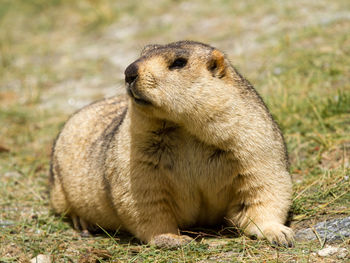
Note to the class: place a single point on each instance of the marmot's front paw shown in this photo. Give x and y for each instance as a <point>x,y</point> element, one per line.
<point>170,240</point>
<point>81,225</point>
<point>275,233</point>
<point>279,234</point>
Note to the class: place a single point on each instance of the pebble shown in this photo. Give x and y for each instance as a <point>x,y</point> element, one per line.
<point>41,259</point>
<point>329,251</point>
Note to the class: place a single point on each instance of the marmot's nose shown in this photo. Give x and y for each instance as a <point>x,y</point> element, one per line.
<point>131,73</point>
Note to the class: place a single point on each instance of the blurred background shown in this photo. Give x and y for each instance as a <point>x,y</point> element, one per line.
<point>59,55</point>
<point>62,53</point>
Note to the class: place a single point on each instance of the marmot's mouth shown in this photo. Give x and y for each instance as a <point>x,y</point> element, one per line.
<point>138,98</point>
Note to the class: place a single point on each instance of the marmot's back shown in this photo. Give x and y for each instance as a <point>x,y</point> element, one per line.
<point>85,137</point>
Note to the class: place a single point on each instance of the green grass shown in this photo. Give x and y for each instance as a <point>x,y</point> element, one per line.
<point>54,50</point>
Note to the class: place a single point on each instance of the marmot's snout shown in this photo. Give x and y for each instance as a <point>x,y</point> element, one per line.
<point>131,73</point>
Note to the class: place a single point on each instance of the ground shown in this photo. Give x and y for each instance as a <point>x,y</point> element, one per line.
<point>58,55</point>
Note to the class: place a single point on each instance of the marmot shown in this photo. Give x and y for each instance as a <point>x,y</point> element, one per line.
<point>192,144</point>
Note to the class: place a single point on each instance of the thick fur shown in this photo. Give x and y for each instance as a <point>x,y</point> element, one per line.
<point>192,145</point>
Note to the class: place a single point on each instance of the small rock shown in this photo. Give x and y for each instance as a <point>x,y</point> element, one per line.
<point>329,251</point>
<point>330,230</point>
<point>41,259</point>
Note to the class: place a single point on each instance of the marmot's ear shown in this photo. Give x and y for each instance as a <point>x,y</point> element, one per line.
<point>148,48</point>
<point>217,64</point>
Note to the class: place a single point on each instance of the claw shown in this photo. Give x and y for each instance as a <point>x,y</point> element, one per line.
<point>80,224</point>
<point>85,233</point>
<point>76,223</point>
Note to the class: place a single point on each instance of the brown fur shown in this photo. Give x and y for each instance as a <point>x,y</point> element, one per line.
<point>193,144</point>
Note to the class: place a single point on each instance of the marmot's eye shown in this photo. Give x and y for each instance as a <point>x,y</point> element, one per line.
<point>213,66</point>
<point>178,63</point>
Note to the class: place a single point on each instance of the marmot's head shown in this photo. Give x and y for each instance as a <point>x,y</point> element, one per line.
<point>179,80</point>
